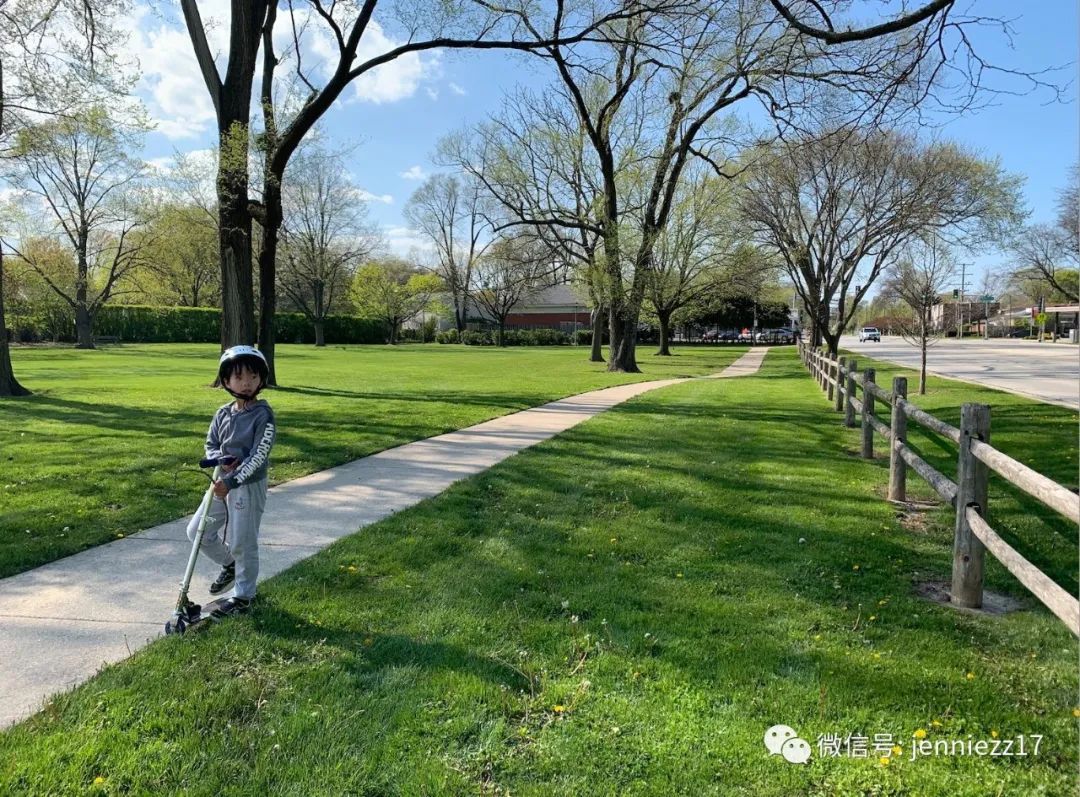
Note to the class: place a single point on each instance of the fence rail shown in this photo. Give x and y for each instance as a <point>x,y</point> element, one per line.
<point>841,380</point>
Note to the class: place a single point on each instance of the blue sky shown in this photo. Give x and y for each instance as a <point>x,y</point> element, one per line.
<point>398,115</point>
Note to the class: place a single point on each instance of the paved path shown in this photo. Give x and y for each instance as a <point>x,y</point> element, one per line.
<point>1045,371</point>
<point>61,622</point>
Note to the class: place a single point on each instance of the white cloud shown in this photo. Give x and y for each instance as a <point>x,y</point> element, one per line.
<point>171,83</point>
<point>432,93</point>
<point>404,242</point>
<point>397,79</point>
<point>367,196</point>
<point>413,173</point>
<point>454,87</point>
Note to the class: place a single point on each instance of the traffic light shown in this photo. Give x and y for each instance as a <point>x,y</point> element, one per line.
<point>956,293</point>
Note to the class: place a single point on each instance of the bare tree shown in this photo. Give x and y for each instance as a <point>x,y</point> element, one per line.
<point>78,171</point>
<point>839,209</point>
<point>534,159</point>
<point>1050,254</point>
<point>449,211</point>
<point>918,278</point>
<point>326,233</point>
<point>512,269</point>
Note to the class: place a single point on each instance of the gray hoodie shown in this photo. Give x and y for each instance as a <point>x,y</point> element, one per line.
<point>246,434</point>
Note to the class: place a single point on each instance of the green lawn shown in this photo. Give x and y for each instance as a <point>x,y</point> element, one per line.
<point>624,609</point>
<point>100,449</point>
<point>1042,436</point>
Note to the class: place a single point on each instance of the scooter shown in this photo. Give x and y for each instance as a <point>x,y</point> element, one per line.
<point>188,614</point>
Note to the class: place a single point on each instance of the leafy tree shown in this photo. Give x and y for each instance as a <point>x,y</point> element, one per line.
<point>839,208</point>
<point>394,291</point>
<point>78,170</point>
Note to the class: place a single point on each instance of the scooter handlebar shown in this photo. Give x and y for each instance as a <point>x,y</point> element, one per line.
<point>215,461</point>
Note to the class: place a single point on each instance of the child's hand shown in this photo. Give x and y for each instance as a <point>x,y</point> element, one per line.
<point>221,489</point>
<point>231,466</point>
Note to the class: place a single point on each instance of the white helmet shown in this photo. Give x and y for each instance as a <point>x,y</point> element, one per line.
<point>248,356</point>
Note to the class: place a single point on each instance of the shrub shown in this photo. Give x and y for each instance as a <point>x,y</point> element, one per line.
<point>449,336</point>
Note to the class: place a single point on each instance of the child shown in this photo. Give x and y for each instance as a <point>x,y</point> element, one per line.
<point>243,429</point>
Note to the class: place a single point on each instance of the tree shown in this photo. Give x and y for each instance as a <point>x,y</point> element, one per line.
<point>78,170</point>
<point>918,278</point>
<point>839,208</point>
<point>694,252</point>
<point>179,261</point>
<point>341,29</point>
<point>394,291</point>
<point>44,72</point>
<point>449,211</point>
<point>510,271</point>
<point>1050,254</point>
<point>325,233</point>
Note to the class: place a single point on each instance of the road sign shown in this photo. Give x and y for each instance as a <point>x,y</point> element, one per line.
<point>986,298</point>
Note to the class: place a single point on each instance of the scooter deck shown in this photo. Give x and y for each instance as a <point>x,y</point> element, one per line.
<point>203,619</point>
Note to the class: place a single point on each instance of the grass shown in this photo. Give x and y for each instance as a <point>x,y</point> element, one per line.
<point>104,446</point>
<point>1042,436</point>
<point>624,609</point>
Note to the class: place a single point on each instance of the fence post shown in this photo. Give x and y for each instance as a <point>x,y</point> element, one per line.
<point>821,367</point>
<point>971,481</point>
<point>840,365</point>
<point>867,413</point>
<point>897,466</point>
<point>849,407</point>
<point>830,368</point>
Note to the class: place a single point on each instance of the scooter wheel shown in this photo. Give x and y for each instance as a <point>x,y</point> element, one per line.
<point>177,627</point>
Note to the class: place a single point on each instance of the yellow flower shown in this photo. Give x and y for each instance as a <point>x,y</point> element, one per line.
<point>919,734</point>
<point>873,617</point>
<point>884,760</point>
<point>352,568</point>
<point>817,637</point>
<point>935,723</point>
<point>99,781</point>
<point>971,676</point>
<point>855,567</point>
<point>993,733</point>
<point>897,750</point>
<point>558,709</point>
<point>1076,712</point>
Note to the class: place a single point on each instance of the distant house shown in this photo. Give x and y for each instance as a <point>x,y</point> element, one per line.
<point>555,307</point>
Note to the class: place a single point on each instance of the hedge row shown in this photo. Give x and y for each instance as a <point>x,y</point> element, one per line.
<point>511,337</point>
<point>143,324</point>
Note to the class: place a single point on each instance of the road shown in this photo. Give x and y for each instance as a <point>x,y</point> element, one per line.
<point>1046,371</point>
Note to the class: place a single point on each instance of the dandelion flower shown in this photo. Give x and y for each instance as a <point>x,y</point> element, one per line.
<point>558,709</point>
<point>99,781</point>
<point>897,750</point>
<point>884,760</point>
<point>920,733</point>
<point>1076,712</point>
<point>971,676</point>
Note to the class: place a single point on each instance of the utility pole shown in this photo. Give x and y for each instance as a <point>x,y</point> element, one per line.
<point>959,299</point>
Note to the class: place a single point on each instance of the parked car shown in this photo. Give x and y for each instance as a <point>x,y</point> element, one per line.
<point>869,333</point>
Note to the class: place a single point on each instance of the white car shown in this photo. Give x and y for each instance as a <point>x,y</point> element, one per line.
<point>869,333</point>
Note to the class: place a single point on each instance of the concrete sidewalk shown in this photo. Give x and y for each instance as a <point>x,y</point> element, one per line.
<point>62,622</point>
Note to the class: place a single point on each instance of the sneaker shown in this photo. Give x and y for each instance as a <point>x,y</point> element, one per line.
<point>230,607</point>
<point>224,580</point>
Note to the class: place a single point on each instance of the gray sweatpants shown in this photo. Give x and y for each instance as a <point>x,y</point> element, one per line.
<point>245,506</point>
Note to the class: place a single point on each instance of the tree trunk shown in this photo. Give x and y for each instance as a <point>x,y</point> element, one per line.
<point>320,335</point>
<point>84,325</point>
<point>922,366</point>
<point>599,321</point>
<point>234,220</point>
<point>833,342</point>
<point>665,334</point>
<point>623,333</point>
<point>268,271</point>
<point>502,328</point>
<point>9,385</point>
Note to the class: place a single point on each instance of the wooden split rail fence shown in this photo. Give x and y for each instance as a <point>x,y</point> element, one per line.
<point>842,382</point>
